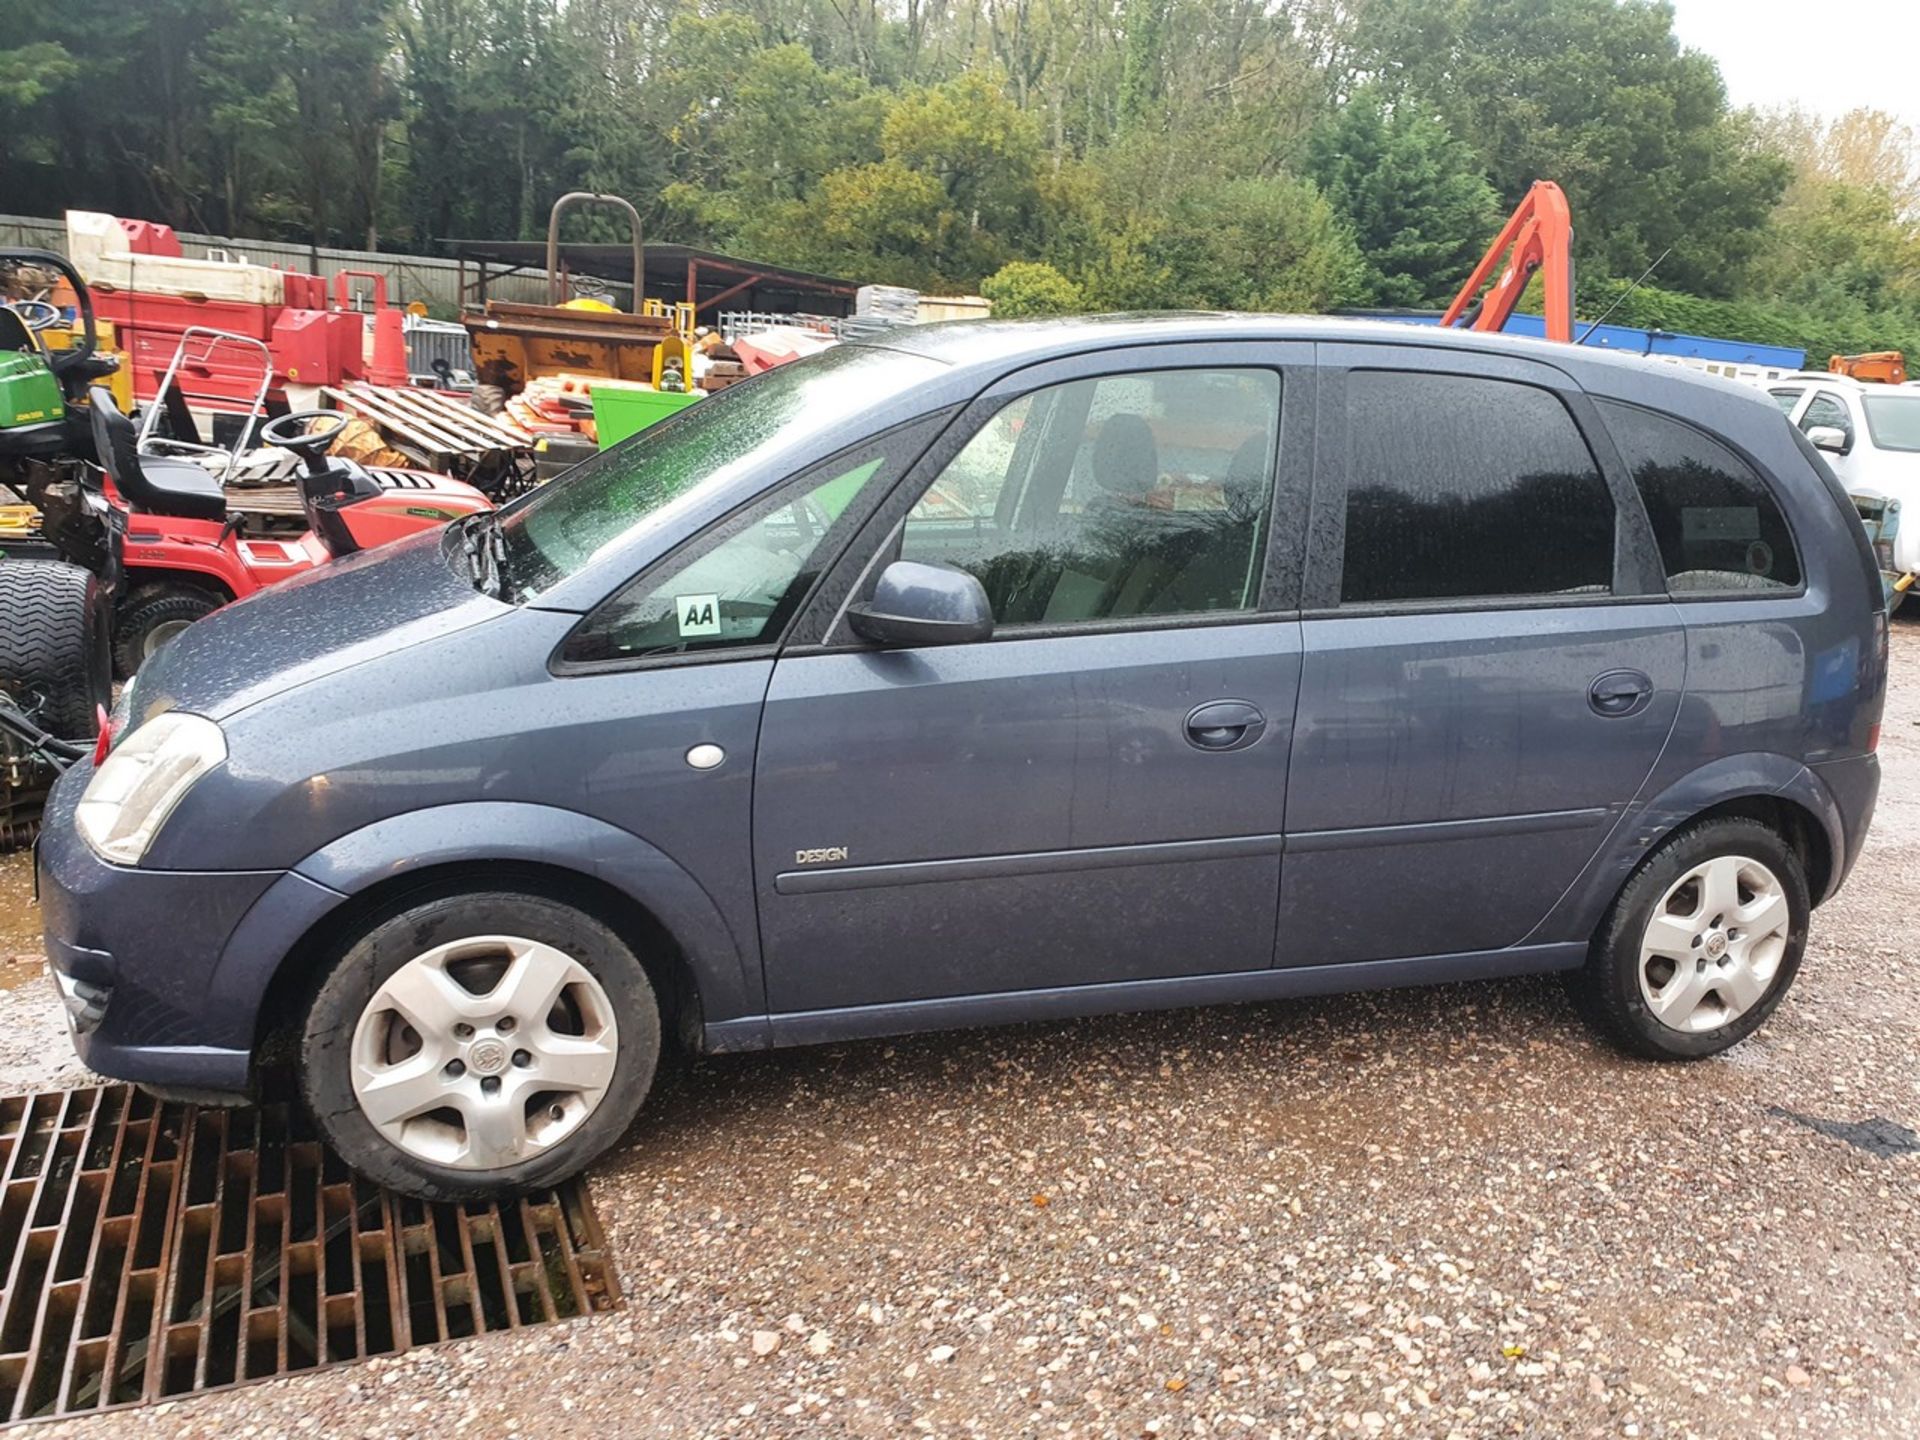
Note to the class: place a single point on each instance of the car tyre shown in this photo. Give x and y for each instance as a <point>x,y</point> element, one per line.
<point>1662,979</point>
<point>345,1048</point>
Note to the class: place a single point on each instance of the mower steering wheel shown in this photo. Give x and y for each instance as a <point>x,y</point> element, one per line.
<point>286,432</point>
<point>37,315</point>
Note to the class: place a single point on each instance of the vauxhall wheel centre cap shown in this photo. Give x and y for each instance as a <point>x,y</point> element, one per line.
<point>487,1057</point>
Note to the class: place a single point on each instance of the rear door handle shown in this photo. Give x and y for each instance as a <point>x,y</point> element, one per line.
<point>1619,692</point>
<point>1225,725</point>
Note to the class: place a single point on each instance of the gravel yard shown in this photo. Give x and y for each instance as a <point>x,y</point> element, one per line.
<point>1422,1213</point>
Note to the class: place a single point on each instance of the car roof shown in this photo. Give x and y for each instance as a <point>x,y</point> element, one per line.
<point>1006,344</point>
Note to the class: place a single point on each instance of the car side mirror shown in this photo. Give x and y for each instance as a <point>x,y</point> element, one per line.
<point>1830,438</point>
<point>915,604</point>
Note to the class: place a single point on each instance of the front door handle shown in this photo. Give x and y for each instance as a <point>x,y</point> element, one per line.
<point>1225,725</point>
<point>1619,692</point>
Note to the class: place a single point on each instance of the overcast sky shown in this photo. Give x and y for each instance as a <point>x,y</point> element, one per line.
<point>1830,56</point>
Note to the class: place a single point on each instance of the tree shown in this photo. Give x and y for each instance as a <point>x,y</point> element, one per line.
<point>1023,288</point>
<point>28,74</point>
<point>1413,196</point>
<point>1598,95</point>
<point>1866,149</point>
<point>1152,224</point>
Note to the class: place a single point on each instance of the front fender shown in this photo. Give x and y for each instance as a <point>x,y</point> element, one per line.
<point>490,832</point>
<point>1649,821</point>
<point>149,560</point>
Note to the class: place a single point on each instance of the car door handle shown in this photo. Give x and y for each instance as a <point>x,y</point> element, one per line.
<point>1619,692</point>
<point>1225,725</point>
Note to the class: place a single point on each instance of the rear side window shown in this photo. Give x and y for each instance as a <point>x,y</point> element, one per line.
<point>1462,488</point>
<point>1717,525</point>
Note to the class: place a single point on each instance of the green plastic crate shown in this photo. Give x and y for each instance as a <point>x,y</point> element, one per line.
<point>619,412</point>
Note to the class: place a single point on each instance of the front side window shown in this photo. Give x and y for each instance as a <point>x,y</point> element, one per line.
<point>743,586</point>
<point>1464,488</point>
<point>1113,498</point>
<point>1717,525</point>
<point>1828,411</point>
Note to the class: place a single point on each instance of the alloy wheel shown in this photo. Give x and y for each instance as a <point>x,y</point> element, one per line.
<point>1714,943</point>
<point>484,1052</point>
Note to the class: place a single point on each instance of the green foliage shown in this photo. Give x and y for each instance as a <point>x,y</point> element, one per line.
<point>1413,195</point>
<point>1821,333</point>
<point>1598,95</point>
<point>1024,288</point>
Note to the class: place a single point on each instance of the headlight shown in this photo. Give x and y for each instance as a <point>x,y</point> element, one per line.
<point>137,787</point>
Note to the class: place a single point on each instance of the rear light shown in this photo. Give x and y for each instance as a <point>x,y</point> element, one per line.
<point>1873,737</point>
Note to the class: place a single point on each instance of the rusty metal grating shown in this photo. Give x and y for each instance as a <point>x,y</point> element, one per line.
<point>156,1249</point>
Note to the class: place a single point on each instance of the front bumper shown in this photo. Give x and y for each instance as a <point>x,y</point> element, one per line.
<point>138,958</point>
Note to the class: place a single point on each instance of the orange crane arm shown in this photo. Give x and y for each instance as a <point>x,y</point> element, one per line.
<point>1539,235</point>
<point>1888,367</point>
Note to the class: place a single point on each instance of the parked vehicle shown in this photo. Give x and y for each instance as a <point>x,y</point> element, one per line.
<point>990,673</point>
<point>1870,435</point>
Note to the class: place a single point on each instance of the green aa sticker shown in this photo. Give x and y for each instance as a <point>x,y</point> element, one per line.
<point>697,614</point>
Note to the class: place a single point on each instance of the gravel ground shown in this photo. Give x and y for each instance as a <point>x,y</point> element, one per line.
<point>1448,1212</point>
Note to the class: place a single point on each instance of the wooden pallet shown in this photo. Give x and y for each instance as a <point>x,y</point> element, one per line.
<point>439,423</point>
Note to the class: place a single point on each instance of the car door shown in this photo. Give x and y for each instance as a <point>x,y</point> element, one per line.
<point>1094,794</point>
<point>1490,663</point>
<point>666,678</point>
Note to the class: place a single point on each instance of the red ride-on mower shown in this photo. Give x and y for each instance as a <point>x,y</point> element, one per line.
<point>183,555</point>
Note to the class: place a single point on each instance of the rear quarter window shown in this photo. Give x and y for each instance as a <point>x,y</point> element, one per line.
<point>1718,526</point>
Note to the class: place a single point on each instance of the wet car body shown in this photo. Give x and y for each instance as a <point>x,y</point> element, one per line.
<point>1019,829</point>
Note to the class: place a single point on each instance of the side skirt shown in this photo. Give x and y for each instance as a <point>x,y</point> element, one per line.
<point>959,1012</point>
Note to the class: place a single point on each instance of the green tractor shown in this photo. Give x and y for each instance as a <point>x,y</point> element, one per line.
<point>43,390</point>
<point>55,665</point>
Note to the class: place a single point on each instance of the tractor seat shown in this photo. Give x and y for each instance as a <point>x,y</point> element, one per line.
<point>154,483</point>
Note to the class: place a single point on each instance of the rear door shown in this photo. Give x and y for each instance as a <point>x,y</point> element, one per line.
<point>1096,793</point>
<point>1490,662</point>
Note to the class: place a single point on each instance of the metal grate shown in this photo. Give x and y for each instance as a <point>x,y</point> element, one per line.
<point>155,1249</point>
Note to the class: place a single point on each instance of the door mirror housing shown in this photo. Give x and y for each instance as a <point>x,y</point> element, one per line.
<point>916,604</point>
<point>1830,438</point>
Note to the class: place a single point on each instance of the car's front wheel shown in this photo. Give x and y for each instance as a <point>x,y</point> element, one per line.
<point>1701,944</point>
<point>476,1046</point>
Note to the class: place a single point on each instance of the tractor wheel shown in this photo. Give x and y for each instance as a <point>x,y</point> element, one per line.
<point>151,616</point>
<point>55,659</point>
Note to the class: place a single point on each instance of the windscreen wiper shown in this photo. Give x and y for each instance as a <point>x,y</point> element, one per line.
<point>486,552</point>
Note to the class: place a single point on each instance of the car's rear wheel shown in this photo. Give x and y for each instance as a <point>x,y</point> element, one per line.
<point>1701,944</point>
<point>476,1046</point>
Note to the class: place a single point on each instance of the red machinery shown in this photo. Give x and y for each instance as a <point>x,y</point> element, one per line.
<point>153,295</point>
<point>1539,236</point>
<point>182,554</point>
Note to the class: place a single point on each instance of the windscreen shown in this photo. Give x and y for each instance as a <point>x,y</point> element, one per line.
<point>1894,420</point>
<point>560,528</point>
